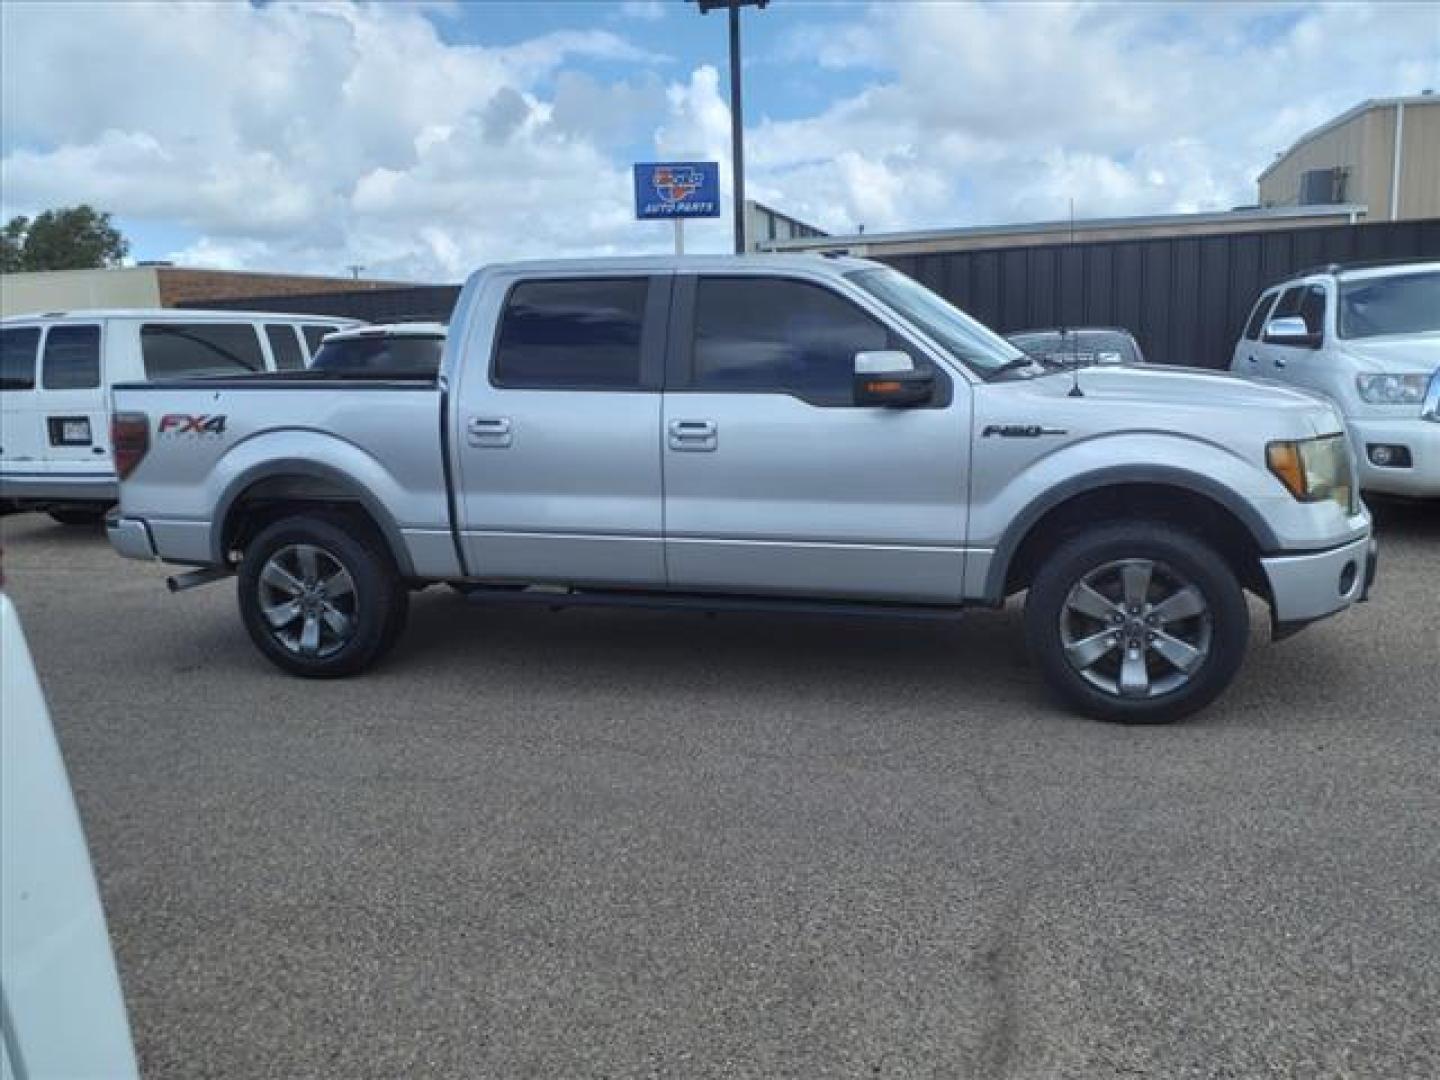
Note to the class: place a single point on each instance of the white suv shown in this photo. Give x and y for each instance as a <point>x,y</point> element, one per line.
<point>1369,338</point>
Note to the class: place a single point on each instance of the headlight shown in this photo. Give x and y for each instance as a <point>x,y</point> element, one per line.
<point>1314,470</point>
<point>1391,389</point>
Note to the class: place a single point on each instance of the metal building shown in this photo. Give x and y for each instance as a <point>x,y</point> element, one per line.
<point>1383,154</point>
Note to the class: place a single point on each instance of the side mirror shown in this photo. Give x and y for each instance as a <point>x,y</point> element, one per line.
<point>889,377</point>
<point>1290,330</point>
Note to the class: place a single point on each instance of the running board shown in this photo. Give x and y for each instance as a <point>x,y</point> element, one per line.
<point>710,604</point>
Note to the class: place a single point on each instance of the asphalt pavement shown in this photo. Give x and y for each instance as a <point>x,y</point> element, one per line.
<point>632,844</point>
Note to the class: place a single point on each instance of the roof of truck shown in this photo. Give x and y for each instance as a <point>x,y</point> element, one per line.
<point>686,263</point>
<point>398,329</point>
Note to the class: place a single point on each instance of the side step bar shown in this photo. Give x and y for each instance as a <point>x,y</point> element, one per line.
<point>709,603</point>
<point>204,576</point>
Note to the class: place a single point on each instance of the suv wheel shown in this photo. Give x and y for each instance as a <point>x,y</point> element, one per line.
<point>1137,622</point>
<point>320,597</point>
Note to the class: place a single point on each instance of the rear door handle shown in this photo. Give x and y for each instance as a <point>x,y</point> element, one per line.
<point>693,435</point>
<point>1279,361</point>
<point>488,431</point>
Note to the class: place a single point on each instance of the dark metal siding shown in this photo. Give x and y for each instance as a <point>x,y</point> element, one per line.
<point>419,303</point>
<point>1185,298</point>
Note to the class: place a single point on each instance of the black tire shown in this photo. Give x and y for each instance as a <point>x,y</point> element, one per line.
<point>1218,636</point>
<point>78,516</point>
<point>373,605</point>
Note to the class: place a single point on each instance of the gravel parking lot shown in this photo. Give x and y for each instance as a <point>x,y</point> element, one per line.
<point>616,844</point>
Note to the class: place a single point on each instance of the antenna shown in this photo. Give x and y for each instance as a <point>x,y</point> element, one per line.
<point>1075,390</point>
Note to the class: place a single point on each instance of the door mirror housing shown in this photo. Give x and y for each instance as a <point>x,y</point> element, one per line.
<point>890,377</point>
<point>1290,330</point>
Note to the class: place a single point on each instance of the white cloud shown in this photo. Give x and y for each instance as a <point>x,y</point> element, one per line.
<point>313,135</point>
<point>649,10</point>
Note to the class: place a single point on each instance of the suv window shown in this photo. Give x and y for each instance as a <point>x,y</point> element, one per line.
<point>572,334</point>
<point>1306,301</point>
<point>316,334</point>
<point>17,357</point>
<point>178,350</point>
<point>782,336</point>
<point>72,358</point>
<point>1257,317</point>
<point>284,347</point>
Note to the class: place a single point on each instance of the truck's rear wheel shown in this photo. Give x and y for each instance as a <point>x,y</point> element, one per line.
<point>1137,622</point>
<point>320,597</point>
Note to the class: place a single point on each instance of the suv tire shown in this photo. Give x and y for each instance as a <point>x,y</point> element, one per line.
<point>1137,622</point>
<point>320,597</point>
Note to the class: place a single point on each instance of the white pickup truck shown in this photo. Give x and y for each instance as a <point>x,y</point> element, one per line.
<point>769,433</point>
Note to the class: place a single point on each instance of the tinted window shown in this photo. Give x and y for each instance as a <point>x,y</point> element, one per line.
<point>1312,308</point>
<point>381,355</point>
<point>1402,304</point>
<point>572,334</point>
<point>785,336</point>
<point>1080,346</point>
<point>72,358</point>
<point>1257,317</point>
<point>284,347</point>
<point>177,350</point>
<point>315,334</point>
<point>17,357</point>
<point>1289,302</point>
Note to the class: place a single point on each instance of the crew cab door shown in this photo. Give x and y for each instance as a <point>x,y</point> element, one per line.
<point>557,431</point>
<point>775,480</point>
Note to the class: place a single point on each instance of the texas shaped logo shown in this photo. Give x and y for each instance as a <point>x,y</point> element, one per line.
<point>676,184</point>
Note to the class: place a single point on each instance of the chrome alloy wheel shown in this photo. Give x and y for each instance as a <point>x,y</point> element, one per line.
<point>1135,628</point>
<point>308,600</point>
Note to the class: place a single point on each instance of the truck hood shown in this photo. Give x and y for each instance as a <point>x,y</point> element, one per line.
<point>1397,354</point>
<point>1189,388</point>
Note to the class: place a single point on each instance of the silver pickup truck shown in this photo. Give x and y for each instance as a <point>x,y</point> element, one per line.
<point>793,434</point>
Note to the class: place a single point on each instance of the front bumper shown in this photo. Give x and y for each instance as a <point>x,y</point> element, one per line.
<point>1311,586</point>
<point>130,537</point>
<point>1421,478</point>
<point>43,488</point>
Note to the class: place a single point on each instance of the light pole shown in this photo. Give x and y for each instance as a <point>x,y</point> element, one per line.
<point>737,110</point>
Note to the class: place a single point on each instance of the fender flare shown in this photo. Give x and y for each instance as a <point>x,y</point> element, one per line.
<point>318,471</point>
<point>1166,475</point>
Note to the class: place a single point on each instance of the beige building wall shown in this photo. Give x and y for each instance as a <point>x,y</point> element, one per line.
<point>78,290</point>
<point>1364,144</point>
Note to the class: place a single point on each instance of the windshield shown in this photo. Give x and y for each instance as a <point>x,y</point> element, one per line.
<point>970,342</point>
<point>388,355</point>
<point>1402,304</point>
<point>1079,346</point>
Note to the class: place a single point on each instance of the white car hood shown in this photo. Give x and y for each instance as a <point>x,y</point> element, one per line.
<point>1394,354</point>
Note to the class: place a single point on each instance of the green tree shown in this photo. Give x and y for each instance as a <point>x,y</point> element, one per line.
<point>71,238</point>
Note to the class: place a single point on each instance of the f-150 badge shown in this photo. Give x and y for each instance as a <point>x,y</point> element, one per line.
<point>1020,431</point>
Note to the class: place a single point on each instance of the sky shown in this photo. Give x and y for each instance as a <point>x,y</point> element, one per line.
<point>421,140</point>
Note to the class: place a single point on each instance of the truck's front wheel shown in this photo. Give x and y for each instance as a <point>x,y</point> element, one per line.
<point>1137,622</point>
<point>320,597</point>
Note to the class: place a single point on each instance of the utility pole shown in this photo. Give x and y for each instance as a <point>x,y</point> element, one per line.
<point>737,110</point>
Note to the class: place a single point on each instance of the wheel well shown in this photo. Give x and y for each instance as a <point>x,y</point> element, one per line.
<point>267,501</point>
<point>1181,508</point>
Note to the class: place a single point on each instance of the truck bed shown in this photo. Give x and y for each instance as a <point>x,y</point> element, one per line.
<point>212,439</point>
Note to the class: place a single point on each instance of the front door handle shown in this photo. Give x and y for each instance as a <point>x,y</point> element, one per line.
<point>488,431</point>
<point>1279,361</point>
<point>693,435</point>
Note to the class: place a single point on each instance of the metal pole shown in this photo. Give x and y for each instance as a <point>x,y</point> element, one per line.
<point>1397,161</point>
<point>679,235</point>
<point>737,128</point>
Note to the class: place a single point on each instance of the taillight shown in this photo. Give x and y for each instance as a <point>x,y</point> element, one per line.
<point>130,440</point>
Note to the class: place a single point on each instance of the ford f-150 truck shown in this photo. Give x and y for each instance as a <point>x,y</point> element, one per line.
<point>778,433</point>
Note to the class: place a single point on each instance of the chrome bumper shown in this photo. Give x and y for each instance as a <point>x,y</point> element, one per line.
<point>130,537</point>
<point>1307,587</point>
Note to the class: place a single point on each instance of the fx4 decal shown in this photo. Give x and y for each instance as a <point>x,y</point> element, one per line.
<point>181,424</point>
